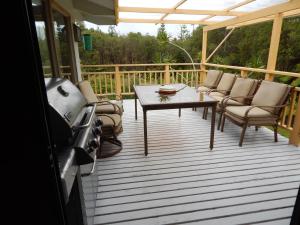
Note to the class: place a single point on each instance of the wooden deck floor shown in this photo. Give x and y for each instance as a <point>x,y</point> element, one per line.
<point>182,182</point>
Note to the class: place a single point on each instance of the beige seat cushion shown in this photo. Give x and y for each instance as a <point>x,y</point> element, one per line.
<point>240,111</point>
<point>108,108</point>
<point>229,102</point>
<point>214,94</point>
<point>226,82</point>
<point>242,87</point>
<point>203,89</point>
<point>109,118</point>
<point>212,78</point>
<point>87,90</point>
<point>270,94</point>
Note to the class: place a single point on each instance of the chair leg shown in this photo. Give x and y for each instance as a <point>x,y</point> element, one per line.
<point>179,112</point>
<point>222,123</point>
<point>243,134</point>
<point>203,114</point>
<point>220,120</point>
<point>275,133</point>
<point>206,112</point>
<point>256,128</point>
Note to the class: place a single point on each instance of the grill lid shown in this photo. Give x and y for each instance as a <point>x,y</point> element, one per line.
<point>67,108</point>
<point>65,98</point>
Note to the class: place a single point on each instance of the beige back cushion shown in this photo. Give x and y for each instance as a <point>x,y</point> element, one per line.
<point>270,94</point>
<point>212,78</point>
<point>242,87</point>
<point>87,90</point>
<point>226,82</point>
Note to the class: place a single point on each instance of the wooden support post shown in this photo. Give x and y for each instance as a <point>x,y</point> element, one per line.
<point>244,73</point>
<point>118,82</point>
<point>274,45</point>
<point>167,74</point>
<point>203,57</point>
<point>295,134</point>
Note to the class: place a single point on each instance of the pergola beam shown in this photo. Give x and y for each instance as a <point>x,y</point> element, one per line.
<point>116,6</point>
<point>156,21</point>
<point>174,8</point>
<point>180,11</point>
<point>280,8</point>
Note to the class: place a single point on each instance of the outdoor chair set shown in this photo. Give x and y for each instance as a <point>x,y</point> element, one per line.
<point>246,102</point>
<point>110,113</point>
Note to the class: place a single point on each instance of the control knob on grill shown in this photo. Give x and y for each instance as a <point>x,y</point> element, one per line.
<point>97,131</point>
<point>93,143</point>
<point>98,122</point>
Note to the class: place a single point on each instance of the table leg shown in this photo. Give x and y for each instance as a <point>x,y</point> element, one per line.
<point>212,128</point>
<point>179,112</point>
<point>135,105</point>
<point>145,132</point>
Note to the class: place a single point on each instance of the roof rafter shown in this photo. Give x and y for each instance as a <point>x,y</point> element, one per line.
<point>173,9</point>
<point>156,21</point>
<point>245,2</point>
<point>280,8</point>
<point>180,11</point>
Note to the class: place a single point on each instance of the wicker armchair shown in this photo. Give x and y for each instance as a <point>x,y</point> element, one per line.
<point>243,87</point>
<point>103,105</point>
<point>212,80</point>
<point>110,113</point>
<point>222,90</point>
<point>265,108</point>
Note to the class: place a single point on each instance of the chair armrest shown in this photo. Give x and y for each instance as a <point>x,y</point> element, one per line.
<point>263,106</point>
<point>216,90</point>
<point>106,115</point>
<point>116,107</point>
<point>227,98</point>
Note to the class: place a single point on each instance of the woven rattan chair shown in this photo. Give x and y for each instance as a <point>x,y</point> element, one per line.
<point>242,89</point>
<point>223,89</point>
<point>103,105</point>
<point>265,108</point>
<point>110,114</point>
<point>212,80</point>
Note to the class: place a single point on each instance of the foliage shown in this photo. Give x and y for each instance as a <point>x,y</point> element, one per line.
<point>247,46</point>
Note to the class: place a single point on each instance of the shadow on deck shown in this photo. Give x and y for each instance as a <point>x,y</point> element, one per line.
<point>182,182</point>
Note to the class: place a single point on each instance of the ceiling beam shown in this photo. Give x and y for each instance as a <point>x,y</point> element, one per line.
<point>165,21</point>
<point>180,11</point>
<point>230,8</point>
<point>240,4</point>
<point>116,6</point>
<point>280,8</point>
<point>173,9</point>
<point>260,20</point>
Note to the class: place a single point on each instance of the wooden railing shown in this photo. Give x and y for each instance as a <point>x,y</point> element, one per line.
<point>120,79</point>
<point>110,80</point>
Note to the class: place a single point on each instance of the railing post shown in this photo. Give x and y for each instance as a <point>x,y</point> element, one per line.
<point>167,74</point>
<point>295,134</point>
<point>244,73</point>
<point>118,87</point>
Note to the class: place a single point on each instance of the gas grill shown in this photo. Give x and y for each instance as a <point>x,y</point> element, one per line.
<point>76,132</point>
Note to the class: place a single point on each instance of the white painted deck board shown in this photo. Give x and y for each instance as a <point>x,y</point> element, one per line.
<point>182,182</point>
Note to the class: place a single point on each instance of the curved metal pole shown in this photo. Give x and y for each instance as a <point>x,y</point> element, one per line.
<point>188,56</point>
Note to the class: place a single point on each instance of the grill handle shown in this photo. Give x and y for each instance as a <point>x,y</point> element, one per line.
<point>93,168</point>
<point>89,121</point>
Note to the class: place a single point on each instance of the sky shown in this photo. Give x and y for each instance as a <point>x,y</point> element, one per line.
<point>124,28</point>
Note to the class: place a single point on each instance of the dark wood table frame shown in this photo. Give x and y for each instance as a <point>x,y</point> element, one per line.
<point>212,104</point>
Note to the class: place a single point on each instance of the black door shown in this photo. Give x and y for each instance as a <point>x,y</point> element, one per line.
<point>30,191</point>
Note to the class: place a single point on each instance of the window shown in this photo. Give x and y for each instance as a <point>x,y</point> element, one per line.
<point>40,25</point>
